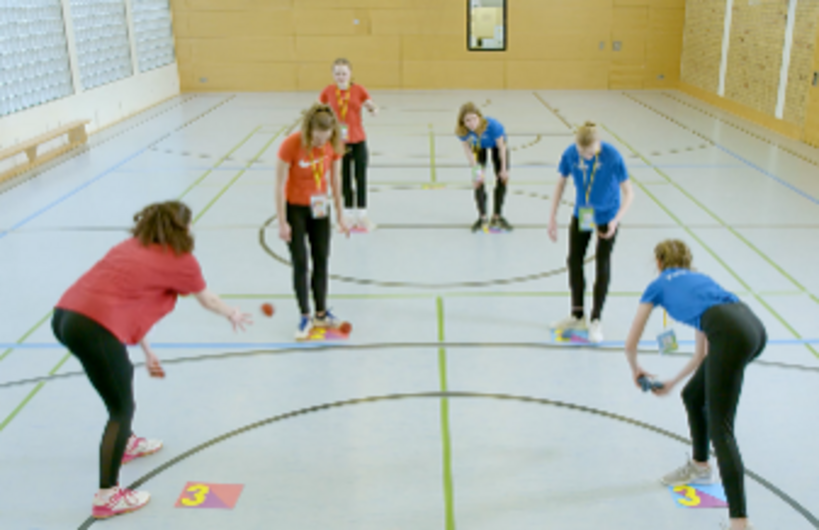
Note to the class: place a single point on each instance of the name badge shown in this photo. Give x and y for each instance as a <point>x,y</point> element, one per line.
<point>667,341</point>
<point>585,217</point>
<point>345,132</point>
<point>319,206</point>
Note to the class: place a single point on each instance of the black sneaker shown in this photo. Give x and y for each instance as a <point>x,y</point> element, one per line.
<point>501,223</point>
<point>479,224</point>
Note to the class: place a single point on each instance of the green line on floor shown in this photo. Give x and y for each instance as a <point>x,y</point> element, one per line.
<point>27,334</point>
<point>31,394</point>
<point>449,497</point>
<point>238,176</point>
<point>433,175</point>
<point>713,253</point>
<point>219,162</point>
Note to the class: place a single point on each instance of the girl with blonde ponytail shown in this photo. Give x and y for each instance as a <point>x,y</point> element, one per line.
<point>307,169</point>
<point>604,195</point>
<point>729,336</point>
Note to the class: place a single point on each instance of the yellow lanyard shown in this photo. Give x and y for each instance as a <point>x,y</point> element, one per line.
<point>343,104</point>
<point>318,168</point>
<point>591,177</point>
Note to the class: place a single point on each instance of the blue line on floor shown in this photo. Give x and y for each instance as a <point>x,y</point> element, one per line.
<point>769,175</point>
<point>73,192</point>
<point>307,345</point>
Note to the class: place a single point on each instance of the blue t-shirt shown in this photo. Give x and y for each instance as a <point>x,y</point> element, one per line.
<point>686,295</point>
<point>489,138</point>
<point>605,189</point>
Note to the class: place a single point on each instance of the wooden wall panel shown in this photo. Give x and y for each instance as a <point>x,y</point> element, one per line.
<point>453,74</point>
<point>557,75</point>
<point>373,75</point>
<point>389,41</point>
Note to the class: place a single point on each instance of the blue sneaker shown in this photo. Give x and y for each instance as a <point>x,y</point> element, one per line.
<point>329,320</point>
<point>303,331</point>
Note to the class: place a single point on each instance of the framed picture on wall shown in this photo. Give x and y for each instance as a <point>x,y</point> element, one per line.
<point>486,25</point>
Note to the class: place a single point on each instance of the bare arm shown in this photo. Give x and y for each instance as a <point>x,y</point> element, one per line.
<point>557,196</point>
<point>371,107</point>
<point>627,193</point>
<point>211,301</point>
<point>282,170</point>
<point>470,155</point>
<point>335,183</point>
<point>700,351</point>
<point>501,143</point>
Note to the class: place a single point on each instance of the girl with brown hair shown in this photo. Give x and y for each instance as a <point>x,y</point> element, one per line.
<point>303,208</point>
<point>604,195</point>
<point>347,99</point>
<point>479,136</point>
<point>116,303</point>
<point>729,336</point>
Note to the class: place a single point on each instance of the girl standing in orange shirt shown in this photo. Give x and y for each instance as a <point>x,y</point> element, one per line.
<point>347,99</point>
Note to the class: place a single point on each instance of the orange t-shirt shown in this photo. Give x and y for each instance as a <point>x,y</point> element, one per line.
<point>305,167</point>
<point>338,99</point>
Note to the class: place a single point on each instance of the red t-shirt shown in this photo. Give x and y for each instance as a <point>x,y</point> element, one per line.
<point>133,287</point>
<point>304,166</point>
<point>338,99</point>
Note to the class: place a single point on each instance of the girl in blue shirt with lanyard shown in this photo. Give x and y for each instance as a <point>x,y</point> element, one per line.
<point>479,136</point>
<point>728,337</point>
<point>604,194</point>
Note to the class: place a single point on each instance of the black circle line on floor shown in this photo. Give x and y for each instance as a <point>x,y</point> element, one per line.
<point>321,347</point>
<point>420,285</point>
<point>784,497</point>
<point>415,285</point>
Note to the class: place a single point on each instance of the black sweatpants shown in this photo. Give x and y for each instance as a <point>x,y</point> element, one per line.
<point>105,360</point>
<point>481,156</point>
<point>735,338</point>
<point>355,163</point>
<point>578,244</point>
<point>317,231</point>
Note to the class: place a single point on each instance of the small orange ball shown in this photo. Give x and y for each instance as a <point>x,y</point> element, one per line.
<point>267,309</point>
<point>345,328</point>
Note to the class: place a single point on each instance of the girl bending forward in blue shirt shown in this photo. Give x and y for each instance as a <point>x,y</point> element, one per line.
<point>728,337</point>
<point>481,136</point>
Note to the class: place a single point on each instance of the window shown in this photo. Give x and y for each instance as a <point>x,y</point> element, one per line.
<point>153,33</point>
<point>487,25</point>
<point>101,34</point>
<point>34,63</point>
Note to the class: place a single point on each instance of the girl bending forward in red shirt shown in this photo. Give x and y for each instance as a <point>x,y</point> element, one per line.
<point>116,303</point>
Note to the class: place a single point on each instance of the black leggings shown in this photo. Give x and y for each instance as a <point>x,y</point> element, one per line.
<point>356,154</point>
<point>105,360</point>
<point>317,231</point>
<point>735,338</point>
<point>578,244</point>
<point>481,156</point>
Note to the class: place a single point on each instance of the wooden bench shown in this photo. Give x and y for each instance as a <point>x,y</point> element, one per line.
<point>76,137</point>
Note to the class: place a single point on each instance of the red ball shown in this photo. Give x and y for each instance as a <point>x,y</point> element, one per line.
<point>345,328</point>
<point>267,309</point>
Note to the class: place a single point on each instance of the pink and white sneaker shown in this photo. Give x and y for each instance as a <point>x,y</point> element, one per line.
<point>118,501</point>
<point>139,447</point>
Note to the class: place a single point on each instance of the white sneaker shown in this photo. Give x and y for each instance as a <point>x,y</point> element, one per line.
<point>117,502</point>
<point>364,223</point>
<point>329,320</point>
<point>727,526</point>
<point>303,329</point>
<point>595,332</point>
<point>570,322</point>
<point>139,447</point>
<point>690,473</point>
